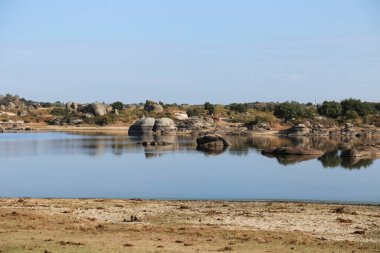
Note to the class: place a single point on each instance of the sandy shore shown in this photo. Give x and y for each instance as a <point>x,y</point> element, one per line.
<point>97,225</point>
<point>90,129</point>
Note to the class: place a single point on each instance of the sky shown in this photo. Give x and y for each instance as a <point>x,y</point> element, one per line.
<point>221,51</point>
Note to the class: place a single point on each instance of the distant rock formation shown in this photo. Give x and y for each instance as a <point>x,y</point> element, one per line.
<point>72,106</point>
<point>194,123</point>
<point>149,125</point>
<point>151,106</point>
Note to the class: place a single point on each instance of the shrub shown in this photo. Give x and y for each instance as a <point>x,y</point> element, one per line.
<point>240,108</point>
<point>210,108</point>
<point>101,120</point>
<point>193,112</point>
<point>60,111</point>
<point>351,114</point>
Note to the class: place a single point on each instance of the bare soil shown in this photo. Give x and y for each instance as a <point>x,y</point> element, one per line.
<point>105,225</point>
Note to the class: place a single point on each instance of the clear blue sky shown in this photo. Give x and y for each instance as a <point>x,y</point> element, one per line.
<point>190,51</point>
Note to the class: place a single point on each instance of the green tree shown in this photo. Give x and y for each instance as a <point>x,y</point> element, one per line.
<point>289,111</point>
<point>330,109</point>
<point>362,108</point>
<point>117,105</point>
<point>210,108</point>
<point>350,114</point>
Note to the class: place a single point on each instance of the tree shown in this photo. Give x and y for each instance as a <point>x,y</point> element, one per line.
<point>289,110</point>
<point>210,108</point>
<point>357,105</point>
<point>240,108</point>
<point>330,109</point>
<point>117,106</point>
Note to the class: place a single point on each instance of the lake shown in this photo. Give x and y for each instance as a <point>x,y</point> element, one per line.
<point>68,165</point>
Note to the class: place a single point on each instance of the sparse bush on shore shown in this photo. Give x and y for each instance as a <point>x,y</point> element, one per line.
<point>329,112</point>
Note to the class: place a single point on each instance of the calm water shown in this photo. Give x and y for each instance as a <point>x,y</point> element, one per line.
<point>68,165</point>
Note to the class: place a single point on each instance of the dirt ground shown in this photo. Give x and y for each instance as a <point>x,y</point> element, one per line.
<point>99,225</point>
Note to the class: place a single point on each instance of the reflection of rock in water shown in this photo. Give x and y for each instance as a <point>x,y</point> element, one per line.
<point>355,163</point>
<point>291,159</point>
<point>153,138</point>
<point>238,152</point>
<point>214,151</point>
<point>333,160</point>
<point>149,155</point>
<point>296,151</point>
<point>154,151</point>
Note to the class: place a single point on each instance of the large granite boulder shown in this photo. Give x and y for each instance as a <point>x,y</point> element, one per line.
<point>181,116</point>
<point>194,123</point>
<point>151,106</point>
<point>72,106</point>
<point>292,151</point>
<point>2,107</point>
<point>298,130</point>
<point>142,126</point>
<point>11,105</point>
<point>97,109</point>
<point>212,141</point>
<point>164,126</point>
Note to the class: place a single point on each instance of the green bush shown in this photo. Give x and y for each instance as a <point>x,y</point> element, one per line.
<point>330,109</point>
<point>351,114</point>
<point>362,108</point>
<point>117,106</point>
<point>193,112</point>
<point>289,111</point>
<point>240,108</point>
<point>210,108</point>
<point>60,111</point>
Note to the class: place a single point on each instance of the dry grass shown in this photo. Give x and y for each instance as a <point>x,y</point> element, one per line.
<point>96,225</point>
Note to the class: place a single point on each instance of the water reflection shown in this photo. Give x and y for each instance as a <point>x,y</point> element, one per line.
<point>98,144</point>
<point>333,160</point>
<point>291,159</point>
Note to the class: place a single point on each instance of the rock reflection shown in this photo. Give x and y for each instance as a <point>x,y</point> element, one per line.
<point>99,144</point>
<point>212,152</point>
<point>291,159</point>
<point>334,160</point>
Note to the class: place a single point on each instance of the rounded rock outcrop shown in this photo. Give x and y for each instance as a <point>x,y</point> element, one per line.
<point>164,126</point>
<point>151,106</point>
<point>194,123</point>
<point>98,109</point>
<point>299,130</point>
<point>72,106</point>
<point>212,141</point>
<point>142,126</point>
